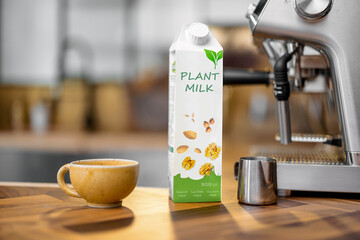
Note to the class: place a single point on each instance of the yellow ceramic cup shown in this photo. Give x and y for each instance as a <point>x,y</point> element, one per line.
<point>103,183</point>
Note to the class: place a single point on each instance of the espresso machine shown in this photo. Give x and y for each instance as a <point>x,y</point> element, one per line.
<point>284,29</point>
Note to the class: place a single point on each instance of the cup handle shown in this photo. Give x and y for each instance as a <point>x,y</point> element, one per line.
<point>60,179</point>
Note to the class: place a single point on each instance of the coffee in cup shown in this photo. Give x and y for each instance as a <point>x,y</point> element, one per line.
<point>103,183</point>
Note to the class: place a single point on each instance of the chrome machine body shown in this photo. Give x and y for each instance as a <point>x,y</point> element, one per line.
<point>330,27</point>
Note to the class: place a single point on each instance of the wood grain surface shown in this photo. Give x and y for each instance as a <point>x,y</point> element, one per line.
<point>43,211</point>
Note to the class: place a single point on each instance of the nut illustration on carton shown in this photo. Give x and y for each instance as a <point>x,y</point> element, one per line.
<point>188,163</point>
<point>190,134</point>
<point>212,151</point>
<point>192,117</point>
<point>182,149</point>
<point>207,125</point>
<point>206,169</point>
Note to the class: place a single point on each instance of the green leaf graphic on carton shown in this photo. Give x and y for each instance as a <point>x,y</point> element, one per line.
<point>173,69</point>
<point>213,56</point>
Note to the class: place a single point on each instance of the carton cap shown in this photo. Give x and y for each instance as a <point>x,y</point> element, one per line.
<point>199,33</point>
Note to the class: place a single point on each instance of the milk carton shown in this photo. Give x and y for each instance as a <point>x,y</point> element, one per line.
<point>195,115</point>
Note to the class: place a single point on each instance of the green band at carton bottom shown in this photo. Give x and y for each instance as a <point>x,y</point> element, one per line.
<point>207,189</point>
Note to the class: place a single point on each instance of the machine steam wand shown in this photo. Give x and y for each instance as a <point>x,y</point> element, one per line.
<point>282,94</point>
<point>281,89</point>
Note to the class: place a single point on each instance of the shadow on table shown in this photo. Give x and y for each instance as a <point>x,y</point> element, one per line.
<point>207,222</point>
<point>89,220</point>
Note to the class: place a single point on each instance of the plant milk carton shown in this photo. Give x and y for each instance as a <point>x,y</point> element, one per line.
<point>195,115</point>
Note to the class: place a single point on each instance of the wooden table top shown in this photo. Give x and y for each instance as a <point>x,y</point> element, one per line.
<point>43,211</point>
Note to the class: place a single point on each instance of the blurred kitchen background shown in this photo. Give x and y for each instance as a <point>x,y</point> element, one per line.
<point>94,68</point>
<point>92,65</point>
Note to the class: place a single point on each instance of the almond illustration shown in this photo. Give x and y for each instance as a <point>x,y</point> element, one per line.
<point>182,148</point>
<point>197,150</point>
<point>190,134</point>
<point>208,129</point>
<point>206,124</point>
<point>212,121</point>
